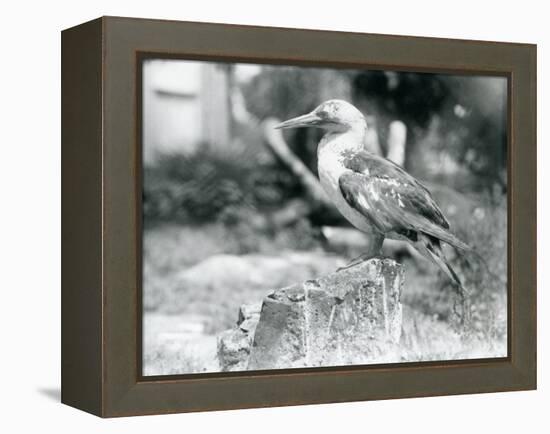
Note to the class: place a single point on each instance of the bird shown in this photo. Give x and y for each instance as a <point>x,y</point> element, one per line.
<point>374,194</point>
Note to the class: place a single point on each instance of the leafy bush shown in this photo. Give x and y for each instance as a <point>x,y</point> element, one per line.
<point>212,184</point>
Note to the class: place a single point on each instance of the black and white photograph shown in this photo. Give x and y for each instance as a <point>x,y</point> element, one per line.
<point>306,217</point>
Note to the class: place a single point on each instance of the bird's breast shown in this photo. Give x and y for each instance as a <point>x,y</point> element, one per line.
<point>331,167</point>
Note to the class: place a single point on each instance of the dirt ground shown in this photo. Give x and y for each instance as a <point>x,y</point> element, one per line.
<point>193,287</point>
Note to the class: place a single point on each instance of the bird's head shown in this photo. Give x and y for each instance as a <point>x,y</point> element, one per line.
<point>334,115</point>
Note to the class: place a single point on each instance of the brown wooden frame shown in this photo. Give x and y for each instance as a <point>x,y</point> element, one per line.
<point>101,227</point>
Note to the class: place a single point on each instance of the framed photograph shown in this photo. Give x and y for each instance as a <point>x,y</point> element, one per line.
<point>259,217</point>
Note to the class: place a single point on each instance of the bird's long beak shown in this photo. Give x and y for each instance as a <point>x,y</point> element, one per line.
<point>308,120</point>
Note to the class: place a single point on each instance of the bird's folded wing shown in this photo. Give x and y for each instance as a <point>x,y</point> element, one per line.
<point>395,204</point>
<point>391,179</point>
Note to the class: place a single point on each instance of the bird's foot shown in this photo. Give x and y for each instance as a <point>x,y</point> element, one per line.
<point>359,260</point>
<point>345,267</point>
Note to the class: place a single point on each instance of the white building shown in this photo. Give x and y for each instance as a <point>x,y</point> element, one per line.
<point>184,103</point>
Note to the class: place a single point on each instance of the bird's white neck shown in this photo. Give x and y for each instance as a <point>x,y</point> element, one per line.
<point>338,142</point>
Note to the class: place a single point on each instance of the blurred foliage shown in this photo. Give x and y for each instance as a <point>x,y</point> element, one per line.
<point>456,136</point>
<point>410,97</point>
<point>213,184</point>
<point>283,92</point>
<point>287,92</point>
<point>456,116</point>
<point>467,115</point>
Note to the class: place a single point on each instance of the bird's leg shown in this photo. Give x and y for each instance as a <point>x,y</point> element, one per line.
<point>373,250</point>
<point>356,261</point>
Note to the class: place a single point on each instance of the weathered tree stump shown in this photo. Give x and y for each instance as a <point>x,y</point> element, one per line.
<point>348,317</point>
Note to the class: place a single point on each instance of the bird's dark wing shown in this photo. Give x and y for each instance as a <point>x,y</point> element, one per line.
<point>381,169</point>
<point>392,199</point>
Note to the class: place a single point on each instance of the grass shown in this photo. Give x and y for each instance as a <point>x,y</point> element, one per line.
<point>164,359</point>
<point>426,338</point>
<point>175,344</point>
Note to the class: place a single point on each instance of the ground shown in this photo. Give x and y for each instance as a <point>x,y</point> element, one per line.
<point>195,279</point>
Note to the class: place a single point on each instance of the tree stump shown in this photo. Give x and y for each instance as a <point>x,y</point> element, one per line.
<point>351,316</point>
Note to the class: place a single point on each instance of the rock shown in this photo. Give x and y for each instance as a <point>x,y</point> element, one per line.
<point>248,312</point>
<point>347,317</point>
<point>281,339</point>
<point>233,350</point>
<point>234,344</point>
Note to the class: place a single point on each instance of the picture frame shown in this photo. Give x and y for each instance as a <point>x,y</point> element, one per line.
<point>101,217</point>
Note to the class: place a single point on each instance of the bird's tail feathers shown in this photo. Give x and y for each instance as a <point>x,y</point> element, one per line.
<point>433,251</point>
<point>444,235</point>
<point>429,228</point>
<point>469,253</point>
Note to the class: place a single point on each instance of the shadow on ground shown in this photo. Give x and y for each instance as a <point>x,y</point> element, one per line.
<point>52,393</point>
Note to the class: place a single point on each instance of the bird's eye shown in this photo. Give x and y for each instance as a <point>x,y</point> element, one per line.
<point>323,113</point>
<point>328,111</point>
